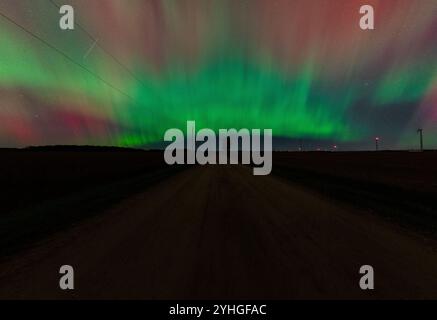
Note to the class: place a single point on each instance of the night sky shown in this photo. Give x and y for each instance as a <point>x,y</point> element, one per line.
<point>132,69</point>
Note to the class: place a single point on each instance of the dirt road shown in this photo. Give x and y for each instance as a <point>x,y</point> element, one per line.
<point>220,232</point>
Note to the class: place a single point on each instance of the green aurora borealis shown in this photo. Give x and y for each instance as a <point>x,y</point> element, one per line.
<point>302,68</point>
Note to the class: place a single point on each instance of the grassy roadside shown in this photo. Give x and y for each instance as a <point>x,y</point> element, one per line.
<point>22,227</point>
<point>408,207</point>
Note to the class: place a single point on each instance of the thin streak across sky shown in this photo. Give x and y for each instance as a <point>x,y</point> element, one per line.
<point>65,55</point>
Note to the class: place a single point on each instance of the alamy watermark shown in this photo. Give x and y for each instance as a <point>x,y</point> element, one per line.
<point>204,147</point>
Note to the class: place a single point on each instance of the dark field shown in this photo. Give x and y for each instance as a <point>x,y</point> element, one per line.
<point>44,190</point>
<point>31,176</point>
<point>411,170</point>
<point>401,186</point>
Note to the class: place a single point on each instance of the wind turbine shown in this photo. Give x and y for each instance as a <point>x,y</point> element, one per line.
<point>420,132</point>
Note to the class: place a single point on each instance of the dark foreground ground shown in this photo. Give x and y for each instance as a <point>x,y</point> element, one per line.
<point>133,228</point>
<point>45,190</point>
